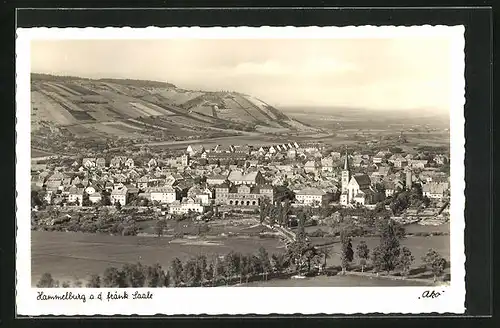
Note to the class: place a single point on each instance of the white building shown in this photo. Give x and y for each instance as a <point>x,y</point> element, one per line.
<point>355,189</point>
<point>185,206</point>
<point>164,195</point>
<point>76,195</point>
<point>95,197</point>
<point>435,190</point>
<point>119,195</point>
<point>310,197</point>
<point>327,164</point>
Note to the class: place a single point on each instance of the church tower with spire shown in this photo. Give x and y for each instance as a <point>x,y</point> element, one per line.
<point>346,173</point>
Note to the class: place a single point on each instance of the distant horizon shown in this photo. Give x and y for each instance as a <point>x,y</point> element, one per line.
<point>398,73</point>
<point>281,107</point>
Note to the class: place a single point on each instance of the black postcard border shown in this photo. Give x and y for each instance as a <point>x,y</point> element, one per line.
<point>478,131</point>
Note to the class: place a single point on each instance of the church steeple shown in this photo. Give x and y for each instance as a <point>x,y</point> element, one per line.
<point>346,174</point>
<point>346,161</point>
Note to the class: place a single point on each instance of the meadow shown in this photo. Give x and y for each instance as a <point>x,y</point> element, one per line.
<point>334,281</point>
<point>71,256</point>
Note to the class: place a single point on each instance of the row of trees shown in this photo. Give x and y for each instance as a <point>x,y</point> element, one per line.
<point>389,254</point>
<point>276,214</point>
<point>195,271</point>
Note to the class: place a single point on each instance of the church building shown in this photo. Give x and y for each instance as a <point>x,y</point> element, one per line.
<point>356,188</point>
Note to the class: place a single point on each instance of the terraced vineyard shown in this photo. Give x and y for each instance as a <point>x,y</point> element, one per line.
<point>115,108</point>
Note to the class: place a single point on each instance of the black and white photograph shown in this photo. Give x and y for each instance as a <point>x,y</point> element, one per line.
<point>198,160</point>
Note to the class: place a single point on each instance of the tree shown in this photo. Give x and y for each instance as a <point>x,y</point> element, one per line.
<point>118,205</point>
<point>302,254</point>
<point>279,214</point>
<point>46,281</point>
<point>217,269</point>
<point>278,262</point>
<point>255,265</point>
<point>201,268</point>
<point>400,203</point>
<point>435,262</point>
<point>264,208</point>
<point>347,254</point>
<point>189,273</point>
<point>362,252</point>
<point>160,226</point>
<point>176,272</point>
<point>134,275</point>
<point>166,280</point>
<point>36,198</point>
<point>94,281</point>
<point>105,201</point>
<point>405,260</point>
<point>301,219</point>
<point>86,200</point>
<point>272,216</point>
<point>113,277</point>
<point>325,253</point>
<point>245,267</point>
<point>154,276</point>
<point>311,256</point>
<point>285,212</point>
<point>264,261</point>
<point>386,255</point>
<point>262,211</point>
<point>231,265</point>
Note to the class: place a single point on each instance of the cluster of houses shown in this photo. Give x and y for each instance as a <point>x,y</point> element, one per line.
<point>241,176</point>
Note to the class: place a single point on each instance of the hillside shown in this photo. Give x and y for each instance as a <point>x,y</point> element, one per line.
<point>139,108</point>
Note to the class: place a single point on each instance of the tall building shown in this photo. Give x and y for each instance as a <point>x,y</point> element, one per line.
<point>356,188</point>
<point>346,173</point>
<point>409,179</point>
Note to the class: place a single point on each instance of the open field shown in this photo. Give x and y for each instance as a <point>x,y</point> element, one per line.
<point>333,281</point>
<point>417,245</point>
<point>69,255</point>
<point>39,153</point>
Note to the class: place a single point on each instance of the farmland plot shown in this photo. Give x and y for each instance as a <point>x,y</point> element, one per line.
<point>160,110</point>
<point>262,106</point>
<point>114,87</point>
<point>185,121</point>
<point>203,118</point>
<point>74,110</point>
<point>60,89</point>
<point>158,123</point>
<point>124,110</point>
<point>254,110</point>
<point>81,90</point>
<point>205,110</point>
<point>50,108</point>
<point>235,114</point>
<point>100,112</point>
<point>179,97</point>
<point>117,130</point>
<point>82,131</point>
<point>129,126</point>
<point>145,109</point>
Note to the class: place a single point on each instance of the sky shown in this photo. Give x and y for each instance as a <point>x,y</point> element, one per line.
<point>394,74</point>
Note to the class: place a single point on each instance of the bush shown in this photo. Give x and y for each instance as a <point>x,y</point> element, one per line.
<point>46,281</point>
<point>317,233</point>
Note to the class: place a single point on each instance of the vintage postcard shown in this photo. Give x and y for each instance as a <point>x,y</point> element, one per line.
<point>271,170</point>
